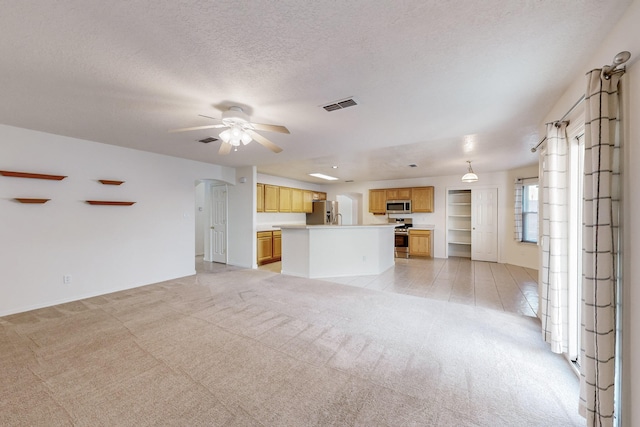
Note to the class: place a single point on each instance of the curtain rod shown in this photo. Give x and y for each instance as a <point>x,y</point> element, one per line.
<point>578,102</point>
<point>528,177</point>
<point>607,71</point>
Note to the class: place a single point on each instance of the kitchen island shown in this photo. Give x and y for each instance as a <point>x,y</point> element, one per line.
<point>316,251</point>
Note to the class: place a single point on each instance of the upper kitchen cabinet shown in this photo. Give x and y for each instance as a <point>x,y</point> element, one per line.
<point>319,195</point>
<point>378,202</point>
<point>307,202</point>
<point>260,198</point>
<point>285,199</point>
<point>271,198</point>
<point>422,199</point>
<point>297,200</point>
<point>398,193</point>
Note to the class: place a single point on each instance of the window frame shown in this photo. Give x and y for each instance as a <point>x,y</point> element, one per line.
<point>526,212</point>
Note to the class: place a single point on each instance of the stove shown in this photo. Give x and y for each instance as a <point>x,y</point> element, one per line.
<point>401,238</point>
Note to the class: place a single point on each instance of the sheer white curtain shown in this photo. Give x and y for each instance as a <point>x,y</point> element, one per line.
<point>517,210</point>
<point>555,259</point>
<point>601,273</point>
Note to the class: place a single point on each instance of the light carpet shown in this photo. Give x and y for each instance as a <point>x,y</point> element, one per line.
<point>249,347</point>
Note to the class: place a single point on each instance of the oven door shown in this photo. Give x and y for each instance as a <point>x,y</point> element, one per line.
<point>401,245</point>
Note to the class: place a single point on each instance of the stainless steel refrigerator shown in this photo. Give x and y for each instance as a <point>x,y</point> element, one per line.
<point>324,212</point>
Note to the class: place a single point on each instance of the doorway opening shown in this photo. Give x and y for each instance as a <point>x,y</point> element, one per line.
<point>350,208</point>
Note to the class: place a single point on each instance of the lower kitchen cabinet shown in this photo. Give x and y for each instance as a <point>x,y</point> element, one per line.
<point>269,246</point>
<point>420,243</point>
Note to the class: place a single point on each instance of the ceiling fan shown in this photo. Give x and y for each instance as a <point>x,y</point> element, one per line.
<point>239,130</point>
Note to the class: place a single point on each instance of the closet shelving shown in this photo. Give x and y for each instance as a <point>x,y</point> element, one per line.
<point>459,223</point>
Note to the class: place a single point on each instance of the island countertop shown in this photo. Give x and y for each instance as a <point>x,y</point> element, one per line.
<point>331,226</point>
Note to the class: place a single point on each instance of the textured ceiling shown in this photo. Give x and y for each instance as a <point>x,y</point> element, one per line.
<point>437,82</point>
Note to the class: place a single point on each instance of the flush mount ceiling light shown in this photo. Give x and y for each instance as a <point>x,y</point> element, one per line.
<point>469,176</point>
<point>323,176</point>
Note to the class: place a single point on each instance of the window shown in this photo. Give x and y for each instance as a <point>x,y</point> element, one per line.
<point>530,213</point>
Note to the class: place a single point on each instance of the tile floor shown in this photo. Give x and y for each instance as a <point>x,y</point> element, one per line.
<point>502,287</point>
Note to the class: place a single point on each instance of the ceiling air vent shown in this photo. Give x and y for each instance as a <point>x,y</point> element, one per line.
<point>208,140</point>
<point>339,105</point>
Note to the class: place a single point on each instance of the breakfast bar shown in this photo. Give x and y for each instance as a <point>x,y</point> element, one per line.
<point>316,251</point>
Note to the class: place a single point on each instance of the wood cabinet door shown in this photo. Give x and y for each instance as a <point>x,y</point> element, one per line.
<point>404,194</point>
<point>422,199</point>
<point>271,198</point>
<point>297,200</point>
<point>420,243</point>
<point>277,245</point>
<point>260,198</point>
<point>265,247</point>
<point>307,204</point>
<point>377,202</point>
<point>285,199</point>
<point>392,194</point>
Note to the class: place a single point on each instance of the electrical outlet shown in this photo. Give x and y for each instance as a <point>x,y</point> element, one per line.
<point>66,279</point>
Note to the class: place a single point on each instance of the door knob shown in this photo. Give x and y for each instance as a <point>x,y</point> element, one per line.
<point>213,228</point>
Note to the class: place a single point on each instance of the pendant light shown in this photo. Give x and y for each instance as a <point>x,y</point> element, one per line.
<point>469,176</point>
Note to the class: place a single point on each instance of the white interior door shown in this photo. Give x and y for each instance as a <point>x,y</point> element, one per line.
<point>218,224</point>
<point>484,224</point>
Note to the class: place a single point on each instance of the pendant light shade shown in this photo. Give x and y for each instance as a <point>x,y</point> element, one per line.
<point>469,176</point>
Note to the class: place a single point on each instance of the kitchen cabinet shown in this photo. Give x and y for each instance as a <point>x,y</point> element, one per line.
<point>420,243</point>
<point>269,246</point>
<point>297,200</point>
<point>307,202</point>
<point>260,198</point>
<point>271,198</point>
<point>398,193</point>
<point>285,199</point>
<point>422,199</point>
<point>378,202</point>
<point>277,245</point>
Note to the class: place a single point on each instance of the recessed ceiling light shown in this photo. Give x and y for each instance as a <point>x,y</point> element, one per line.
<point>334,167</point>
<point>323,176</point>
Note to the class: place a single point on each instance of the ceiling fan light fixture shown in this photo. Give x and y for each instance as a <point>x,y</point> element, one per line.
<point>225,135</point>
<point>470,176</point>
<point>245,138</point>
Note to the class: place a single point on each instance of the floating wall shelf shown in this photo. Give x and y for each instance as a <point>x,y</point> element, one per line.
<point>32,175</point>
<point>110,182</point>
<point>38,201</point>
<point>109,203</point>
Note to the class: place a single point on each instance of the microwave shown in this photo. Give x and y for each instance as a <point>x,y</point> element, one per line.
<point>398,206</point>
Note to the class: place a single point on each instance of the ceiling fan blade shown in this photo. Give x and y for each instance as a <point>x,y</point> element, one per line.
<point>208,117</point>
<point>196,128</point>
<point>224,149</point>
<point>264,141</point>
<point>270,128</point>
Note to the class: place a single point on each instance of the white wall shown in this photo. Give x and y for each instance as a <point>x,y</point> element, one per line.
<point>624,36</point>
<point>200,218</point>
<point>241,236</point>
<point>103,248</point>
